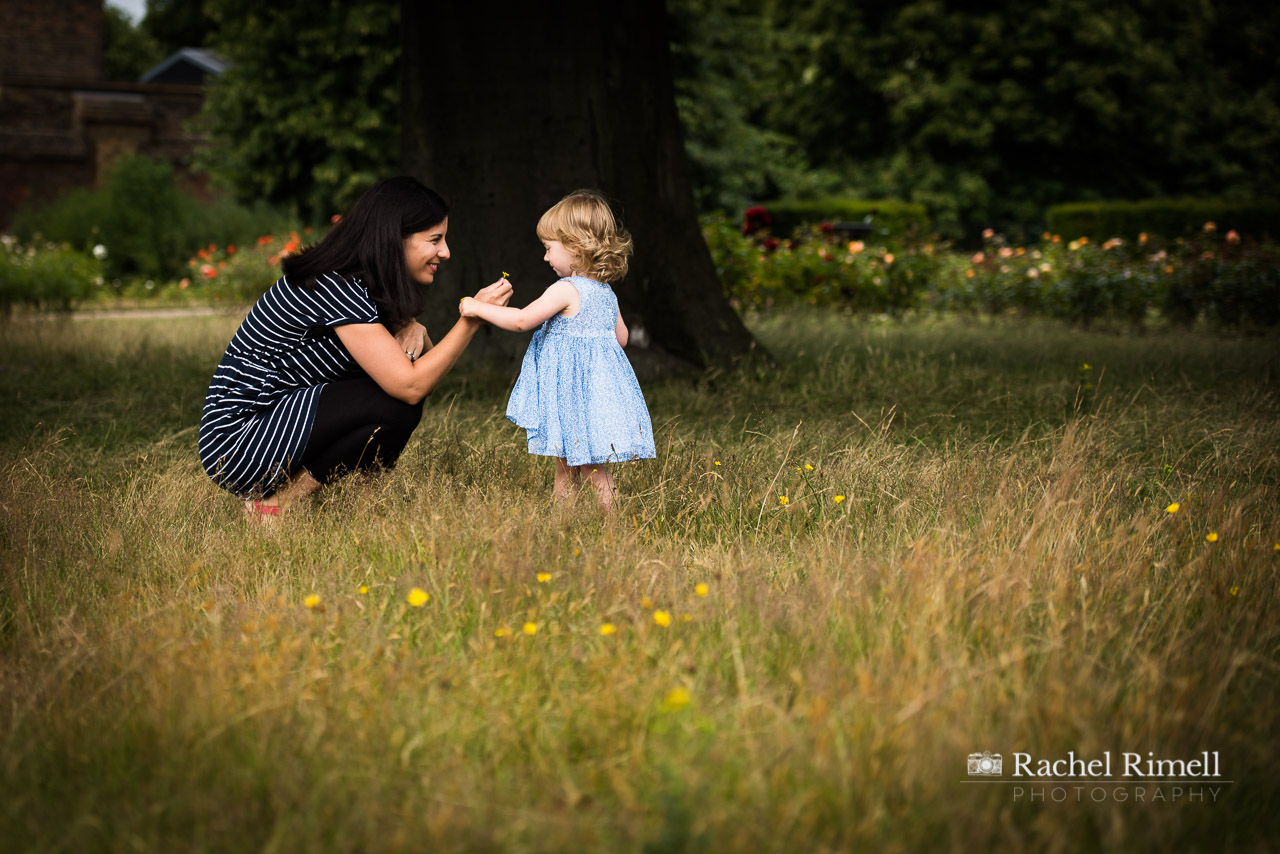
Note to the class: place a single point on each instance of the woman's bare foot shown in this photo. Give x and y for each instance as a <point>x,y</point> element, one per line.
<point>267,511</point>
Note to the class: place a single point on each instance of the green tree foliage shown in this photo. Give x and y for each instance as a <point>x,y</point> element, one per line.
<point>175,24</point>
<point>724,73</point>
<point>307,114</point>
<point>987,113</point>
<point>128,52</point>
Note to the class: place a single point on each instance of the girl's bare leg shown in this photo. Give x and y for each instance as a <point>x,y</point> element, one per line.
<point>600,478</point>
<point>567,479</point>
<point>300,485</point>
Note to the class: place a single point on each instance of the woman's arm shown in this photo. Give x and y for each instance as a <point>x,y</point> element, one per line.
<point>620,330</point>
<point>383,359</point>
<point>555,299</point>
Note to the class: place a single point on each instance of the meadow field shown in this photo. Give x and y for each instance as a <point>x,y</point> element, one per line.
<point>894,544</point>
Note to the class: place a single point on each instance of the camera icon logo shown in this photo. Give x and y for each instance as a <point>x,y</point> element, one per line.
<point>985,764</point>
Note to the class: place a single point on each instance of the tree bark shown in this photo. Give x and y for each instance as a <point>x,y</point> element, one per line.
<point>505,112</point>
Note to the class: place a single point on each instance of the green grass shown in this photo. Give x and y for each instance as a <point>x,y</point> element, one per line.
<point>1001,575</point>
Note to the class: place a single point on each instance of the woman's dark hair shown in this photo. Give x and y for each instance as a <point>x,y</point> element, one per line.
<point>368,241</point>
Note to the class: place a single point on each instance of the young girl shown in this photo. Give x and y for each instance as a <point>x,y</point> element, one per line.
<point>577,396</point>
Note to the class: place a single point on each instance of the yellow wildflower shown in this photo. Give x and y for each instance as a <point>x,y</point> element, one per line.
<point>1211,537</point>
<point>364,588</point>
<point>676,699</point>
<point>418,597</point>
<point>608,629</point>
<point>1235,589</point>
<point>505,274</point>
<point>662,618</point>
<point>717,462</point>
<point>782,499</point>
<point>501,633</point>
<point>312,601</point>
<point>646,602</point>
<point>837,499</point>
<point>1173,508</point>
<point>530,628</point>
<point>701,588</point>
<point>543,577</point>
<point>808,466</point>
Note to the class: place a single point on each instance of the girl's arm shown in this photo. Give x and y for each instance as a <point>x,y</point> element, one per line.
<point>620,330</point>
<point>554,300</point>
<point>383,359</point>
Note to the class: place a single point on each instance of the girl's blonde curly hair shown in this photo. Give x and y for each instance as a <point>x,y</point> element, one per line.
<point>584,224</point>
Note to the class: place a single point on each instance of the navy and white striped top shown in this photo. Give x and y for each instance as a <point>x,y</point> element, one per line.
<point>262,400</point>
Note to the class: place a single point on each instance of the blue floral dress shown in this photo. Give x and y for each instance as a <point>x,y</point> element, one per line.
<point>577,396</point>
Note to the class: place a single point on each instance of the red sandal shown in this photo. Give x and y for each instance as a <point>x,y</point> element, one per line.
<point>260,511</point>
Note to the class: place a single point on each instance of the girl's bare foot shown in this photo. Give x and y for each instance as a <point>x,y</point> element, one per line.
<point>602,481</point>
<point>567,480</point>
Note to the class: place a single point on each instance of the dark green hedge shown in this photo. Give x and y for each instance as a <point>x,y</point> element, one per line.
<point>1163,217</point>
<point>892,219</point>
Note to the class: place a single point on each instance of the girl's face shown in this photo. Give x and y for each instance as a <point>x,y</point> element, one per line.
<point>424,251</point>
<point>560,259</point>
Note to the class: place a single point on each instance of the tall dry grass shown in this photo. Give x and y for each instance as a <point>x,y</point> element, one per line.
<point>1001,574</point>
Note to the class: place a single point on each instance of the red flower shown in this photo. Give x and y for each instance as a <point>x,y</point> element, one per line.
<point>265,239</point>
<point>755,218</point>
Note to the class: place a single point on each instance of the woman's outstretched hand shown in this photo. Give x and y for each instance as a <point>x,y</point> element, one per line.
<point>499,293</point>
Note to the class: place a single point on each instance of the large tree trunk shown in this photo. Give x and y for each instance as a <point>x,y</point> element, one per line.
<point>506,109</point>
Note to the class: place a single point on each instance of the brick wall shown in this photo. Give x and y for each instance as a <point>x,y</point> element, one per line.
<point>61,124</point>
<point>58,39</point>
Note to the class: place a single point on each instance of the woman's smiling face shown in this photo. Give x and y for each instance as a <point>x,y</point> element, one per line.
<point>424,250</point>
